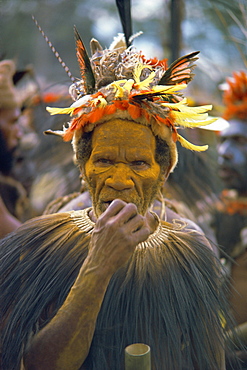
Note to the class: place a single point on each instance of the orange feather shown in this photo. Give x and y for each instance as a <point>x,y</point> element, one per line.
<point>95,115</point>
<point>110,109</point>
<point>134,111</point>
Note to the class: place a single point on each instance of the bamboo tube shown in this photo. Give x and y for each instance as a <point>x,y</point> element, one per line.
<point>137,357</point>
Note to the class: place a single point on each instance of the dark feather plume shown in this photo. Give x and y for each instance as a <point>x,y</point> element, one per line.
<point>124,9</point>
<point>180,70</point>
<point>84,64</point>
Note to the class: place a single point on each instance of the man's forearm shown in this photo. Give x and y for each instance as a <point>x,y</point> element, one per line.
<point>64,343</point>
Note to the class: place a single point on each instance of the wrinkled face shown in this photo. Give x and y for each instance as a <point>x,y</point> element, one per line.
<point>122,165</point>
<point>232,156</point>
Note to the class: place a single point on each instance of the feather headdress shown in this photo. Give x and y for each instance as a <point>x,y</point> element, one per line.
<point>235,96</point>
<point>121,78</point>
<point>120,82</point>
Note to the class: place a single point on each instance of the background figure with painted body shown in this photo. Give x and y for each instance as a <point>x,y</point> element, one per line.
<point>230,218</point>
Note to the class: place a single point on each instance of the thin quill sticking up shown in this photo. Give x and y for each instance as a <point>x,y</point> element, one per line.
<point>73,79</point>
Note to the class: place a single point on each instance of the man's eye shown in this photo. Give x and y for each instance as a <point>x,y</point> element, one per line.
<point>103,161</point>
<point>139,164</point>
<point>241,140</point>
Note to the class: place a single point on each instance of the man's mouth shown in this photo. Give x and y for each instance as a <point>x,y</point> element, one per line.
<point>106,204</point>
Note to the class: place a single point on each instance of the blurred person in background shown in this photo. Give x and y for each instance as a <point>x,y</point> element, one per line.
<point>11,192</point>
<point>230,218</point>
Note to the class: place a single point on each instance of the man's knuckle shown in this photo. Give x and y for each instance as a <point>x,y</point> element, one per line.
<point>131,207</point>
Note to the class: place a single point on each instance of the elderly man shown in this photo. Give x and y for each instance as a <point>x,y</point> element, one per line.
<point>80,286</point>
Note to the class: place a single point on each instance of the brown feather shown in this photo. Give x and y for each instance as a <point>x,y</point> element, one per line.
<point>84,64</point>
<point>180,70</point>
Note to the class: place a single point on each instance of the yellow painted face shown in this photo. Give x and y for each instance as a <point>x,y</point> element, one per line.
<point>122,165</point>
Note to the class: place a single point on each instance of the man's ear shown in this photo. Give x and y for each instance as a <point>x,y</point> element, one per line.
<point>82,172</point>
<point>75,159</point>
<point>164,175</point>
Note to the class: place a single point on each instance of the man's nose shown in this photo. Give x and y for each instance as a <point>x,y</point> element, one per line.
<point>120,178</point>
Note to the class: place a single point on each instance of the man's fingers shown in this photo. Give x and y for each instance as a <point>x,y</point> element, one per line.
<point>121,211</point>
<point>115,207</point>
<point>135,223</point>
<point>141,234</point>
